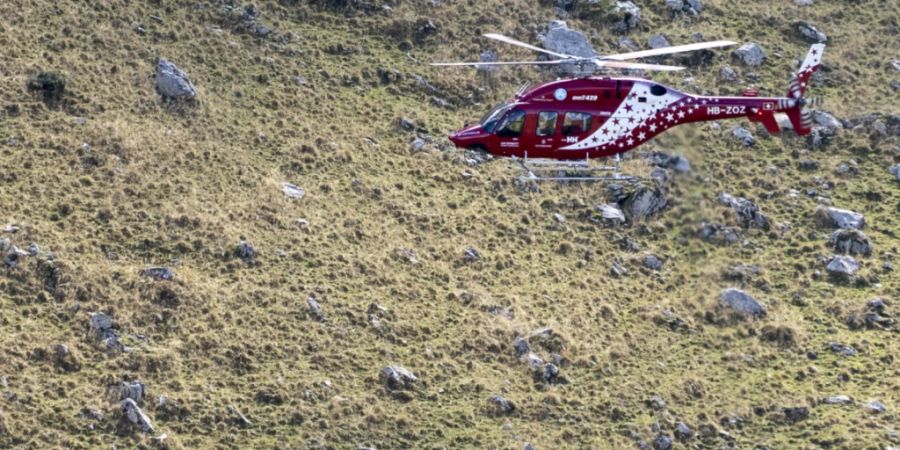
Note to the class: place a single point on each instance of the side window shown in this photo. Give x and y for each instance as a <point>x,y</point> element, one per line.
<point>546,124</point>
<point>512,124</point>
<point>576,123</point>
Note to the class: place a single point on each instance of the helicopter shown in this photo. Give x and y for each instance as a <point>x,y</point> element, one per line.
<point>563,124</point>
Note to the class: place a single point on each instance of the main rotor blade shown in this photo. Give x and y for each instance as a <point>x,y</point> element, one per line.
<point>502,63</point>
<point>668,50</point>
<point>630,65</point>
<point>509,40</point>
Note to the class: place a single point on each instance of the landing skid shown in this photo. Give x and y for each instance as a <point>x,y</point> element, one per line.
<point>574,170</point>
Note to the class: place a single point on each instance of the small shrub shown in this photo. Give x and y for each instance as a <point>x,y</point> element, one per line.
<point>51,85</point>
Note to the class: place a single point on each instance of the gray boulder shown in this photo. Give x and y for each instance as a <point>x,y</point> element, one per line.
<point>743,135</point>
<point>745,211</point>
<point>827,120</point>
<point>626,16</point>
<point>851,242</point>
<point>662,442</point>
<point>839,218</point>
<point>837,400</point>
<point>842,349</point>
<point>562,39</point>
<point>719,234</point>
<point>487,56</point>
<point>875,406</point>
<point>741,303</point>
<point>685,6</point>
<point>677,163</point>
<point>136,391</point>
<point>172,82</point>
<point>645,202</point>
<point>501,406</point>
<point>159,273</point>
<point>842,267</point>
<point>750,54</point>
<point>895,170</point>
<point>658,41</point>
<point>314,309</point>
<point>810,32</point>
<point>245,251</point>
<point>683,432</point>
<point>396,377</point>
<point>610,214</point>
<point>134,415</point>
<point>101,329</point>
<point>728,74</point>
<point>652,262</point>
<point>521,346</point>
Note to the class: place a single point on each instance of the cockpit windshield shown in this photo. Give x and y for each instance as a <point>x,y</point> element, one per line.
<point>489,121</point>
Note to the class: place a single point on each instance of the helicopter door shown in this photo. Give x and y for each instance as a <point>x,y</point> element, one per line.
<point>509,132</point>
<point>545,135</point>
<point>576,127</point>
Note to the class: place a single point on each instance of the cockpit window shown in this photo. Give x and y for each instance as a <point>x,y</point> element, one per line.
<point>657,90</point>
<point>489,121</point>
<point>575,123</point>
<point>511,125</point>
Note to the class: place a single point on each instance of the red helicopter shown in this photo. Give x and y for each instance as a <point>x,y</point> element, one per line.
<point>590,117</point>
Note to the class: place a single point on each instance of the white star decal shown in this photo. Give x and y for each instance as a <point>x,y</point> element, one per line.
<point>670,117</point>
<point>681,114</point>
<point>653,128</point>
<point>642,136</point>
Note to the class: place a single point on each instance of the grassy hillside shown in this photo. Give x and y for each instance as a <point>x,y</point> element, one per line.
<point>111,180</point>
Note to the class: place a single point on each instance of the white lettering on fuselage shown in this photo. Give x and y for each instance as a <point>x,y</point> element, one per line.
<point>587,98</point>
<point>571,139</point>
<point>716,110</point>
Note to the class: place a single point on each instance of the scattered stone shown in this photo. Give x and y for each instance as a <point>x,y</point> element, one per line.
<point>896,64</point>
<point>172,82</point>
<point>501,405</point>
<point>13,256</point>
<point>662,442</point>
<point>396,377</point>
<point>136,391</point>
<point>842,349</point>
<point>559,218</point>
<point>796,414</point>
<point>875,406</point>
<point>551,373</point>
<point>610,214</point>
<point>137,417</point>
<point>406,124</point>
<point>848,169</point>
<point>745,211</point>
<point>826,120</point>
<point>487,56</point>
<point>101,329</point>
<point>839,218</point>
<point>692,7</point>
<point>644,202</point>
<point>652,262</point>
<point>718,234</point>
<point>315,309</point>
<point>417,145</point>
<point>239,417</point>
<point>561,39</point>
<point>658,41</point>
<point>743,135</point>
<point>683,432</point>
<point>842,267</point>
<point>837,400</point>
<point>895,170</point>
<point>245,251</point>
<point>617,270</point>
<point>678,163</point>
<point>471,255</point>
<point>409,256</point>
<point>850,242</point>
<point>808,165</point>
<point>521,346</point>
<point>742,303</point>
<point>159,273</point>
<point>534,361</point>
<point>656,403</point>
<point>728,74</point>
<point>750,54</point>
<point>810,32</point>
<point>292,191</point>
<point>64,359</point>
<point>625,15</point>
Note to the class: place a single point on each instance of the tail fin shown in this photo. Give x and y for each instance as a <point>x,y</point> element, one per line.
<point>801,118</point>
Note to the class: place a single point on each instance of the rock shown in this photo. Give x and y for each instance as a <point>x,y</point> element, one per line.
<point>562,39</point>
<point>875,406</point>
<point>810,32</point>
<point>808,165</point>
<point>697,5</point>
<point>625,15</point>
<point>803,2</point>
<point>718,234</point>
<point>159,273</point>
<point>396,377</point>
<point>501,405</point>
<point>677,163</point>
<point>487,56</point>
<point>551,373</point>
<point>837,400</point>
<point>172,82</point>
<point>136,391</point>
<point>406,124</point>
<point>245,251</point>
<point>852,242</point>
<point>746,212</point>
<point>315,309</point>
<point>239,417</point>
<point>842,267</point>
<point>896,64</point>
<point>617,270</point>
<point>741,303</point>
<point>644,202</point>
<point>839,218</point>
<point>611,214</point>
<point>662,442</point>
<point>728,74</point>
<point>417,145</point>
<point>292,191</point>
<point>13,256</point>
<point>101,329</point>
<point>819,137</point>
<point>521,346</point>
<point>750,54</point>
<point>652,262</point>
<point>534,361</point>
<point>658,41</point>
<point>685,6</point>
<point>656,403</point>
<point>895,170</point>
<point>683,432</point>
<point>796,414</point>
<point>64,359</point>
<point>827,120</point>
<point>134,415</point>
<point>743,135</point>
<point>559,218</point>
<point>471,255</point>
<point>848,169</point>
<point>842,349</point>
